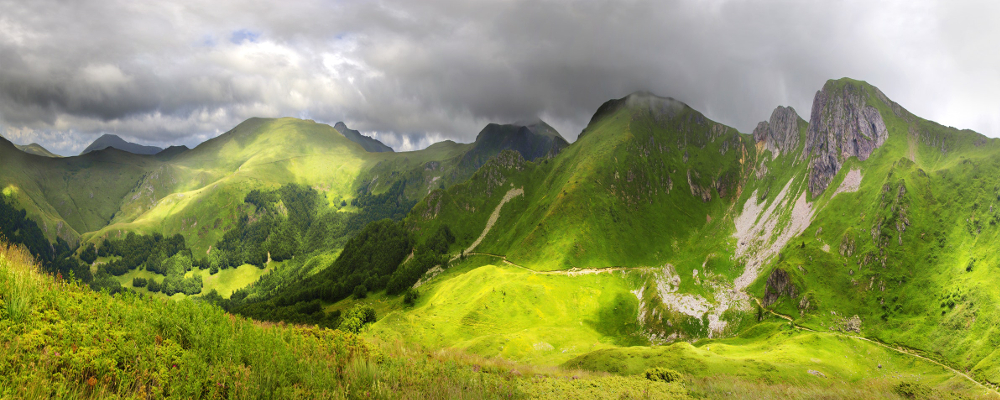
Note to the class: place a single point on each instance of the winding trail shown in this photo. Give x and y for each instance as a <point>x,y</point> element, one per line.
<point>511,194</point>
<point>567,272</point>
<point>899,349</point>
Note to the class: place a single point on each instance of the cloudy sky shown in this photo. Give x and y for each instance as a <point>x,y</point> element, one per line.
<point>415,72</point>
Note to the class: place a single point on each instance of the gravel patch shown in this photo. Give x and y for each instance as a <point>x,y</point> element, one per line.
<point>851,183</point>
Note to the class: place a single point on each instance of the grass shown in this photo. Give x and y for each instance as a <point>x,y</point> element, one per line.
<point>506,311</point>
<point>71,342</point>
<point>225,281</point>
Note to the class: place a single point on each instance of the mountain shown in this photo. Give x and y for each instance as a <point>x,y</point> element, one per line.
<point>37,150</point>
<point>533,140</point>
<point>171,152</point>
<point>369,144</point>
<point>114,141</point>
<point>866,220</point>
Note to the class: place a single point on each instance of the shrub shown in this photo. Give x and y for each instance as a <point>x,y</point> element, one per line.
<point>89,254</point>
<point>138,282</point>
<point>410,297</point>
<point>153,286</point>
<point>660,374</point>
<point>360,292</point>
<point>357,317</point>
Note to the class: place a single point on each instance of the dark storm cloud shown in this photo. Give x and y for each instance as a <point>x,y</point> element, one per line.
<point>412,73</point>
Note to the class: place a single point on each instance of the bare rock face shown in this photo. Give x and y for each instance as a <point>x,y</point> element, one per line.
<point>781,133</point>
<point>842,125</point>
<point>779,283</point>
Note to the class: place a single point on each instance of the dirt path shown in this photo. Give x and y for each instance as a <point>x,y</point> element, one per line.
<point>899,349</point>
<point>567,272</point>
<point>493,219</point>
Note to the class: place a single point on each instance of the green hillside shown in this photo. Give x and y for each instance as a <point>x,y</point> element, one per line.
<point>37,150</point>
<point>870,253</point>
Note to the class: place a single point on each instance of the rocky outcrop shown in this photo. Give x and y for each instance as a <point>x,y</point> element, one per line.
<point>842,125</point>
<point>780,134</point>
<point>779,283</point>
<point>369,144</point>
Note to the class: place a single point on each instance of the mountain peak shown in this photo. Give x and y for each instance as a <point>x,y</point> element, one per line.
<point>109,140</point>
<point>645,100</point>
<point>533,141</point>
<point>370,145</point>
<point>843,124</point>
<point>780,134</point>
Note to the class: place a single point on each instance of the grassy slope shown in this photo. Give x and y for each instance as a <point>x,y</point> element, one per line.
<point>923,297</point>
<point>588,322</point>
<point>585,207</point>
<point>510,312</point>
<point>565,220</point>
<point>63,340</point>
<point>70,196</point>
<point>37,150</point>
<point>199,191</point>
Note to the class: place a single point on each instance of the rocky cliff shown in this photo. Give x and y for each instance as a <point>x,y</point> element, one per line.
<point>842,125</point>
<point>780,134</point>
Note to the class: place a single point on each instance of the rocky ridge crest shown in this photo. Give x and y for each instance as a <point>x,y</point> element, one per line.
<point>842,125</point>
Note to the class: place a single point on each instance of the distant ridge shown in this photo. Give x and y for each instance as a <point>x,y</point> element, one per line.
<point>370,145</point>
<point>171,152</point>
<point>533,139</point>
<point>114,141</point>
<point>37,150</point>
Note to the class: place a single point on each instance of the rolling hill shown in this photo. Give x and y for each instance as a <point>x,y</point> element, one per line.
<point>37,150</point>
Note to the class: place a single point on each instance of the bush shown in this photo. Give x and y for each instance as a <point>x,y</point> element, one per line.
<point>153,286</point>
<point>357,317</point>
<point>410,297</point>
<point>89,254</point>
<point>660,374</point>
<point>138,282</point>
<point>360,292</point>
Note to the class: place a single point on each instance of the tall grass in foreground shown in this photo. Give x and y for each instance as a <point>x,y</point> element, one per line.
<point>18,285</point>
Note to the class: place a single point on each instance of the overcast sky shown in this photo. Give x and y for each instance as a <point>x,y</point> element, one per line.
<point>415,72</point>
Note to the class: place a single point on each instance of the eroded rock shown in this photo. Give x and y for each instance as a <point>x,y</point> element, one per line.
<point>779,283</point>
<point>780,134</point>
<point>842,125</point>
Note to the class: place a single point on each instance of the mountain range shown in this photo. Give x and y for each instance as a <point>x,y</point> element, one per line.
<point>855,248</point>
